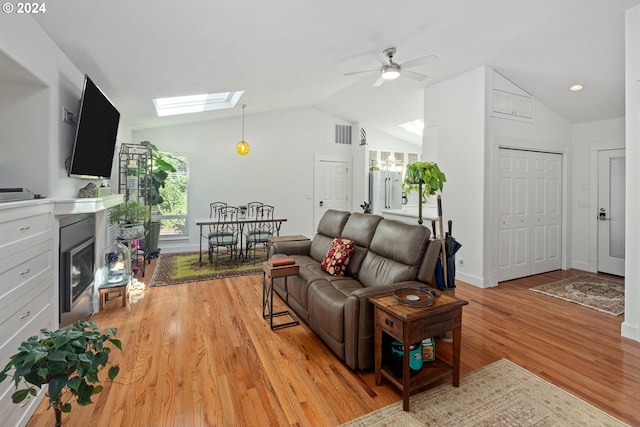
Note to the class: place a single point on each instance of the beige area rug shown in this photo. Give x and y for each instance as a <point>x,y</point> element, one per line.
<point>173,269</point>
<point>590,291</point>
<point>499,394</point>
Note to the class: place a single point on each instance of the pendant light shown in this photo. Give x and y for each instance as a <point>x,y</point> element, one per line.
<point>242,147</point>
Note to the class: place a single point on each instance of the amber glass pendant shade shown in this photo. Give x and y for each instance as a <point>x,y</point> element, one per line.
<point>242,147</point>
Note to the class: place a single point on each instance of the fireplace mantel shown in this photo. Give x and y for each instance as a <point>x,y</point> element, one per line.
<point>87,205</point>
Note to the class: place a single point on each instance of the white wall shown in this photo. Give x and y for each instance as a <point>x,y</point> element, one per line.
<point>464,142</point>
<point>587,139</point>
<point>460,155</point>
<point>277,171</point>
<point>34,145</point>
<point>631,324</point>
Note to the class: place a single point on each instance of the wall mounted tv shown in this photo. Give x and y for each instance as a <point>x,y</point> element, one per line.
<point>95,142</point>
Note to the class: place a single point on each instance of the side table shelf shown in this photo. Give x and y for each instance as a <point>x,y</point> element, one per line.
<point>411,324</point>
<point>269,273</point>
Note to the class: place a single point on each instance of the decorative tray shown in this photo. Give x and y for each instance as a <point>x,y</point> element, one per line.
<point>413,297</point>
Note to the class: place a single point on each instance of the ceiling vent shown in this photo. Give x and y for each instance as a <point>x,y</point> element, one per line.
<point>343,134</point>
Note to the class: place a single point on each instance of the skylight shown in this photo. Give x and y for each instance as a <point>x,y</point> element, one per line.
<point>416,126</point>
<point>196,103</point>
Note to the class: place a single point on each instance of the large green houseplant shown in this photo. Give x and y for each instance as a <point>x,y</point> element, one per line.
<point>426,178</point>
<point>68,360</point>
<point>161,168</point>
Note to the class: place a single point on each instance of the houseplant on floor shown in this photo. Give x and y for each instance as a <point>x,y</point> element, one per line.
<point>131,217</point>
<point>68,360</point>
<point>426,178</point>
<point>162,166</point>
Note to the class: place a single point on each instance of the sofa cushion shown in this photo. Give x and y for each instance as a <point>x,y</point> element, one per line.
<point>360,228</point>
<point>330,226</point>
<point>337,258</point>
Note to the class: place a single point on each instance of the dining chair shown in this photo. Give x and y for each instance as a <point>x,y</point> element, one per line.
<point>214,212</point>
<point>252,209</point>
<point>225,235</point>
<point>258,232</point>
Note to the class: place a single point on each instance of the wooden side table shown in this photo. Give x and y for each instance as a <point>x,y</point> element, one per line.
<point>105,290</point>
<point>269,273</point>
<point>411,324</point>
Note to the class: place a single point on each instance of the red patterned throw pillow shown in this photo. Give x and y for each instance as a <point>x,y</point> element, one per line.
<point>338,257</point>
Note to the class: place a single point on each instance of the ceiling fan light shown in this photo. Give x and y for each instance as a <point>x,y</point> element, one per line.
<point>390,72</point>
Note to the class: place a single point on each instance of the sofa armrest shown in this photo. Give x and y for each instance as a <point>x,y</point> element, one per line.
<point>301,247</point>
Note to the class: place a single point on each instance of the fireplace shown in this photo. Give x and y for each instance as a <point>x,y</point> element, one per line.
<point>77,267</point>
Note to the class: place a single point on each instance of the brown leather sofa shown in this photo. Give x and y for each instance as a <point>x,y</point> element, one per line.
<point>388,255</point>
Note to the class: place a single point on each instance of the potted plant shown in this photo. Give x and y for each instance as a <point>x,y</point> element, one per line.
<point>161,167</point>
<point>426,178</point>
<point>130,217</point>
<point>68,360</point>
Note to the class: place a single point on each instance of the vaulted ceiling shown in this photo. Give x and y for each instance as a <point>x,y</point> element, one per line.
<point>293,53</point>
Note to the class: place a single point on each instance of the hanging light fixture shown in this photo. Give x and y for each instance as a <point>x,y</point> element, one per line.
<point>242,147</point>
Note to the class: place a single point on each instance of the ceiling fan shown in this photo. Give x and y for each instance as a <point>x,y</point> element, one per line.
<point>391,70</point>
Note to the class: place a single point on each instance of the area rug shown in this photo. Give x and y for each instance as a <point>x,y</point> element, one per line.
<point>590,291</point>
<point>173,269</point>
<point>499,394</point>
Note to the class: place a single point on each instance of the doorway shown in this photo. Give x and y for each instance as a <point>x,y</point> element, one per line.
<point>611,211</point>
<point>530,213</point>
<point>332,187</point>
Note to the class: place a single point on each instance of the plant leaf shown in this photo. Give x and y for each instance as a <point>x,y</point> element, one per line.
<point>113,372</point>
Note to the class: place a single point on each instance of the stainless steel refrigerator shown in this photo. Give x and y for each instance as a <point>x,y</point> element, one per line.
<point>385,190</point>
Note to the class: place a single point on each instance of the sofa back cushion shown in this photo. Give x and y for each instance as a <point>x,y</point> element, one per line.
<point>330,226</point>
<point>360,228</point>
<point>394,254</point>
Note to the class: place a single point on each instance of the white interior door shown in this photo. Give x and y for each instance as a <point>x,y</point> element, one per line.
<point>611,211</point>
<point>332,187</point>
<point>530,210</point>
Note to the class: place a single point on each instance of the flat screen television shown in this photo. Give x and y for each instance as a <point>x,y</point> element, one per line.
<point>95,142</point>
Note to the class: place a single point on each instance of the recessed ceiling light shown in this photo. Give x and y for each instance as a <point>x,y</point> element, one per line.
<point>196,103</point>
<point>576,88</point>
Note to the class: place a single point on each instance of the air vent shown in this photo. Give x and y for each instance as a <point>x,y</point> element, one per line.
<point>343,134</point>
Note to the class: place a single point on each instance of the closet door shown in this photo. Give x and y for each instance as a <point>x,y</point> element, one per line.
<point>530,198</point>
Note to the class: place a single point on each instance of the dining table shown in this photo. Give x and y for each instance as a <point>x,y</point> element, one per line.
<point>201,222</point>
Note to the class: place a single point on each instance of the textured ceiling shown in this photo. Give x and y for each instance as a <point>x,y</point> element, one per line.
<point>293,53</point>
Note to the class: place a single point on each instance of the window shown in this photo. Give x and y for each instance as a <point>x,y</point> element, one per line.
<point>172,212</point>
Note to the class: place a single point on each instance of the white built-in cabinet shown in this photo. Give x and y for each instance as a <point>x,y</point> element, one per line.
<point>27,258</point>
<point>509,101</point>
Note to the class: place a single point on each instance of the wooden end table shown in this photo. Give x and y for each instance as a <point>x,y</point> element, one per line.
<point>105,289</point>
<point>269,272</point>
<point>410,325</point>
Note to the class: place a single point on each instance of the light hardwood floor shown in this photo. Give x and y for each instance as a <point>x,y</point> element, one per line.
<point>200,354</point>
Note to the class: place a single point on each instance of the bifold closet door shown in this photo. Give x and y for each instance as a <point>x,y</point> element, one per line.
<point>530,210</point>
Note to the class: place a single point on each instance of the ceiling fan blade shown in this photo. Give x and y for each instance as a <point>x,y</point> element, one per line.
<point>414,76</point>
<point>378,82</point>
<point>381,57</point>
<point>361,72</point>
<point>425,60</point>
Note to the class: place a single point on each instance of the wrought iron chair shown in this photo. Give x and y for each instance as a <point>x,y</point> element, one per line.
<point>214,213</point>
<point>258,232</point>
<point>252,209</point>
<point>226,233</point>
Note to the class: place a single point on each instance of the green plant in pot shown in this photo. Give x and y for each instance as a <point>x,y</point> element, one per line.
<point>162,166</point>
<point>426,178</point>
<point>131,217</point>
<point>68,360</point>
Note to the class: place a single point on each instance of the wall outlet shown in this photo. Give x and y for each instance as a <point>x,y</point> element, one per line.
<point>460,262</point>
